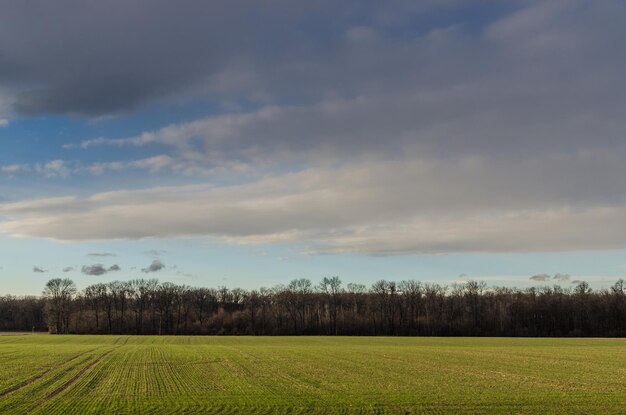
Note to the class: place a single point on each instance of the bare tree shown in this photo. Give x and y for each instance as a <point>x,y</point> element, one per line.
<point>387,308</point>
<point>58,293</point>
<point>95,295</point>
<point>332,288</point>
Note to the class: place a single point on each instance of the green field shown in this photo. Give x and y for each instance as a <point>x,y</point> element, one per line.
<point>126,374</point>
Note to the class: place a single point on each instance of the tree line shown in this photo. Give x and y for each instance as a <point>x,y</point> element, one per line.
<point>406,308</point>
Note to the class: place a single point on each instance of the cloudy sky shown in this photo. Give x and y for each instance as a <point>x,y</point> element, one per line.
<point>246,143</point>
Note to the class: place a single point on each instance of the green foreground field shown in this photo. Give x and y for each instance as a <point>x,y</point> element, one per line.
<point>45,374</point>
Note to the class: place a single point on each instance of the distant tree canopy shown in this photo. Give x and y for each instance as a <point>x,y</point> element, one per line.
<point>406,308</point>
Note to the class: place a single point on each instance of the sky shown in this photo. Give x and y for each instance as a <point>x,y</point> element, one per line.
<point>245,143</point>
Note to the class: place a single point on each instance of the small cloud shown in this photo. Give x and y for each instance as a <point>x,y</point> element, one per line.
<point>184,275</point>
<point>51,169</point>
<point>540,277</point>
<point>68,269</point>
<point>12,169</point>
<point>4,122</point>
<point>101,254</point>
<point>155,266</point>
<point>39,269</point>
<point>155,252</point>
<point>99,269</point>
<point>561,277</point>
<point>578,281</point>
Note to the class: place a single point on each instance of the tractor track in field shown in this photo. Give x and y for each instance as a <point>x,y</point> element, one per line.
<point>74,379</point>
<point>119,339</point>
<point>35,378</point>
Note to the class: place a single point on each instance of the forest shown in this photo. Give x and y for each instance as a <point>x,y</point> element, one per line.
<point>406,308</point>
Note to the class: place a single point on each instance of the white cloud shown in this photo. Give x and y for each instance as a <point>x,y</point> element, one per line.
<point>185,165</point>
<point>372,208</point>
<point>12,169</point>
<point>151,164</point>
<point>54,168</point>
<point>4,122</point>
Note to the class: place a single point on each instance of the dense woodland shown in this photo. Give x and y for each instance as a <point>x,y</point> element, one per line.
<point>407,308</point>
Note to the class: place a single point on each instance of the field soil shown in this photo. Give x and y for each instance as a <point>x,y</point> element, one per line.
<point>54,374</point>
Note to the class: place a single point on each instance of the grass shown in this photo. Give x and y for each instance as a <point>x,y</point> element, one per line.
<point>43,374</point>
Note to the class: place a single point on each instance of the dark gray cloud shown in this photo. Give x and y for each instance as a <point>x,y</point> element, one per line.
<point>516,88</point>
<point>39,269</point>
<point>123,54</point>
<point>540,277</point>
<point>101,254</point>
<point>98,269</point>
<point>155,266</point>
<point>512,84</point>
<point>68,269</point>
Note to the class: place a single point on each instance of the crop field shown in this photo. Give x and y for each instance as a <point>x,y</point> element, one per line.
<point>45,374</point>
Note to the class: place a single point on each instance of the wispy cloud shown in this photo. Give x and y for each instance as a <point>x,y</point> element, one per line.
<point>14,169</point>
<point>155,252</point>
<point>54,168</point>
<point>561,277</point>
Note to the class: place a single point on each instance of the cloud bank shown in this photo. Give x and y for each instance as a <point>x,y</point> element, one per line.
<point>365,131</point>
<point>385,208</point>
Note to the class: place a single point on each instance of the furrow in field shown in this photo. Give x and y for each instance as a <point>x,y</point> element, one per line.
<point>35,378</point>
<point>73,379</point>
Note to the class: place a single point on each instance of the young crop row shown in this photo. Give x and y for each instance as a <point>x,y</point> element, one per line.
<point>150,375</point>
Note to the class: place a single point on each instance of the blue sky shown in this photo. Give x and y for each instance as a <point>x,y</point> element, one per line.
<point>245,145</point>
